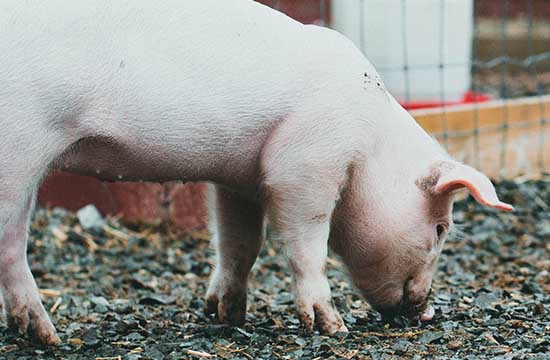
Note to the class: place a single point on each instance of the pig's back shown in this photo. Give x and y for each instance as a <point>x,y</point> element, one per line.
<point>186,54</point>
<point>190,84</point>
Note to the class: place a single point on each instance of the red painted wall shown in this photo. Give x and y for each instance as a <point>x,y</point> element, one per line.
<point>181,204</point>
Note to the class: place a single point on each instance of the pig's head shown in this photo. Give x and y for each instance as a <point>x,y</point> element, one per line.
<point>390,231</point>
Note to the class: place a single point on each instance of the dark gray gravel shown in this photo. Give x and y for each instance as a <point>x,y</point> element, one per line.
<point>136,293</point>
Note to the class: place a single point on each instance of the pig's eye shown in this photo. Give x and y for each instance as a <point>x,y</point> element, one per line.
<point>440,230</point>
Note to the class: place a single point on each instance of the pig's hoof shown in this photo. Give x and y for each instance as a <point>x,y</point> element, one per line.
<point>323,315</point>
<point>428,314</point>
<point>34,321</point>
<point>229,307</point>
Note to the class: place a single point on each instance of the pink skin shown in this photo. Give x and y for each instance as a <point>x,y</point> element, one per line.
<point>404,248</point>
<point>23,308</point>
<point>205,90</point>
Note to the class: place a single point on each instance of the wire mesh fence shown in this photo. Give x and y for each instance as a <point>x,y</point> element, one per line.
<point>489,57</point>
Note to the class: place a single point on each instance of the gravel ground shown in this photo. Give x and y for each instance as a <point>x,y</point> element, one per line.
<point>136,293</point>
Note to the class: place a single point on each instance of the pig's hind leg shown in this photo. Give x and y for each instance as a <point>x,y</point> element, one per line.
<point>23,308</point>
<point>238,238</point>
<point>27,149</point>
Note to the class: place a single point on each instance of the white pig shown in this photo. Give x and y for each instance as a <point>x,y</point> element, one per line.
<point>290,121</point>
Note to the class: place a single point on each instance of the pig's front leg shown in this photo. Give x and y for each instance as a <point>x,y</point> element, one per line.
<point>238,241</point>
<point>300,213</point>
<point>306,249</point>
<point>22,304</point>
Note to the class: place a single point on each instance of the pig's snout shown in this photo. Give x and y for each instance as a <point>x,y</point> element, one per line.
<point>416,293</point>
<point>414,304</point>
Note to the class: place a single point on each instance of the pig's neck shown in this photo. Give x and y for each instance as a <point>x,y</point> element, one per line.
<point>404,149</point>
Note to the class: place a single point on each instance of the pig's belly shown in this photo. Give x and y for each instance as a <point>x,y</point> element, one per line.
<point>235,165</point>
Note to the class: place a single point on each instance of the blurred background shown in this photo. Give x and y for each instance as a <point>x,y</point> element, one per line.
<point>475,74</point>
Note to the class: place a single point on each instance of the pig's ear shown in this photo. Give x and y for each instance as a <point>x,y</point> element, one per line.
<point>462,176</point>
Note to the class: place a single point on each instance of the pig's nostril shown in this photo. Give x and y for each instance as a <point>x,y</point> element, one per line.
<point>414,310</point>
<point>388,314</point>
<point>406,290</point>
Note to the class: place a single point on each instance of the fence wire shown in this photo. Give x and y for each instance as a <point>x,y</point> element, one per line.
<point>510,58</point>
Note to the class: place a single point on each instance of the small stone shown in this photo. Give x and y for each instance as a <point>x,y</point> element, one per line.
<point>538,310</point>
<point>430,336</point>
<point>135,336</point>
<point>90,219</point>
<point>341,334</point>
<point>99,301</point>
<point>401,346</point>
<point>75,341</point>
<point>531,288</point>
<point>484,300</point>
<point>156,299</point>
<point>454,345</point>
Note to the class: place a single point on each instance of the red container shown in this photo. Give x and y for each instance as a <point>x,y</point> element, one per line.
<point>468,98</point>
